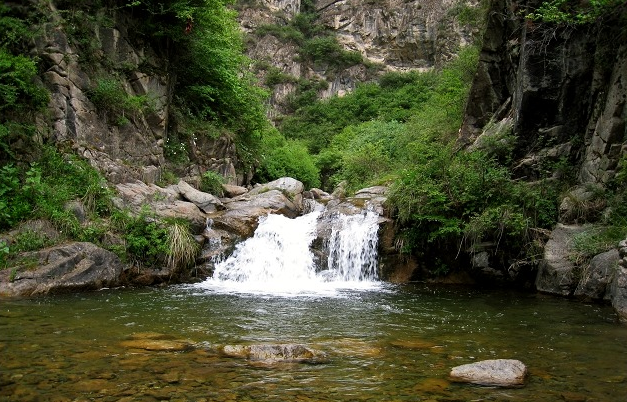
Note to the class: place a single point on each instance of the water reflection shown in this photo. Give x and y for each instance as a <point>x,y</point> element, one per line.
<point>397,344</point>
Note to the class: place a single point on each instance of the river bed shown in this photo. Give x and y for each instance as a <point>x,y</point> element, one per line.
<point>390,343</point>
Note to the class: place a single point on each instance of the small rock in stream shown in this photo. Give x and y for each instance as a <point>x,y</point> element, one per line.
<point>497,372</point>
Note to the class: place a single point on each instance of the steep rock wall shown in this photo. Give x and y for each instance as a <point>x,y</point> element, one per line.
<point>564,89</point>
<point>390,35</point>
<point>128,148</point>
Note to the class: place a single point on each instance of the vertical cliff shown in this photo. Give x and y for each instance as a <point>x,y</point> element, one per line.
<point>562,89</point>
<point>329,46</point>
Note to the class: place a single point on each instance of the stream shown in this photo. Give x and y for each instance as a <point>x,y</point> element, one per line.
<point>392,343</point>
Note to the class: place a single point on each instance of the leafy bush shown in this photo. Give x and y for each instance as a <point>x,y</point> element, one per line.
<point>42,190</point>
<point>109,95</point>
<point>146,241</point>
<point>575,13</point>
<point>289,159</point>
<point>211,182</point>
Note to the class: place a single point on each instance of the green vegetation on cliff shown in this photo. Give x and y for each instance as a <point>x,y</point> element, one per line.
<point>211,91</point>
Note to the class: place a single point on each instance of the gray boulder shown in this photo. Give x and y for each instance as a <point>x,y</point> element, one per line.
<point>208,203</point>
<point>598,275</point>
<point>556,272</point>
<point>618,286</point>
<point>287,185</point>
<point>243,212</point>
<point>498,372</point>
<point>231,190</point>
<point>163,202</point>
<point>66,268</point>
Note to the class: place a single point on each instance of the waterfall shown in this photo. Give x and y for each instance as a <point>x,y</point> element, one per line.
<point>278,258</point>
<point>352,247</point>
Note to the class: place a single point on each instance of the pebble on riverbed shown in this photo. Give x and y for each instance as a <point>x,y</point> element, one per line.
<point>497,372</point>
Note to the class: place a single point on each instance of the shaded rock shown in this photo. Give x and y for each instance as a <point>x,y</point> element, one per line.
<point>618,287</point>
<point>231,190</point>
<point>65,268</point>
<point>498,372</point>
<point>206,202</point>
<point>598,275</point>
<point>77,209</point>
<point>275,353</point>
<point>582,203</point>
<point>556,272</point>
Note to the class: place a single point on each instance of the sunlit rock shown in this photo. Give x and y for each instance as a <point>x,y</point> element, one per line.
<point>498,372</point>
<point>275,353</point>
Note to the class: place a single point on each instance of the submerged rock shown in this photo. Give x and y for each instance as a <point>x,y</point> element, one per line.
<point>155,341</point>
<point>497,372</point>
<point>275,353</point>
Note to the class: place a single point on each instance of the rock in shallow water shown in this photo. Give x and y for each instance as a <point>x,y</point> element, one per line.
<point>498,372</point>
<point>275,353</point>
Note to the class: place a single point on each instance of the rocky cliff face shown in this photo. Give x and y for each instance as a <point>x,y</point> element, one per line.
<point>127,146</point>
<point>390,35</point>
<point>562,90</point>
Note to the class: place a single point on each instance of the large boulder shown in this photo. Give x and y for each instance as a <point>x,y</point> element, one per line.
<point>598,275</point>
<point>287,185</point>
<point>64,268</point>
<point>208,203</point>
<point>163,202</point>
<point>242,213</point>
<point>497,372</point>
<point>557,274</point>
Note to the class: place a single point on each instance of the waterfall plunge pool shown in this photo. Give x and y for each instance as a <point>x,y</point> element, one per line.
<point>381,342</point>
<point>395,343</point>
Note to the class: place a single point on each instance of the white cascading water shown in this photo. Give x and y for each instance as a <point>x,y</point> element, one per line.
<point>278,259</point>
<point>352,247</point>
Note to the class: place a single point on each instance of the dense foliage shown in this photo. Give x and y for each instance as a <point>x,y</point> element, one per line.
<point>572,12</point>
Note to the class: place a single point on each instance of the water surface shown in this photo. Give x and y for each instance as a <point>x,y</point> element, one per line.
<point>386,344</point>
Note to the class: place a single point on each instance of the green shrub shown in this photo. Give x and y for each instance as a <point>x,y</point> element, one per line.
<point>109,96</point>
<point>211,182</point>
<point>575,13</point>
<point>42,190</point>
<point>292,159</point>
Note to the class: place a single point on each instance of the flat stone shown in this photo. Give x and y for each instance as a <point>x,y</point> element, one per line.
<point>157,345</point>
<point>497,372</point>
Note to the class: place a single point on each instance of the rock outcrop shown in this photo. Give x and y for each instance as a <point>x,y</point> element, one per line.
<point>618,285</point>
<point>561,89</point>
<point>123,146</point>
<point>394,35</point>
<point>557,273</point>
<point>61,269</point>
